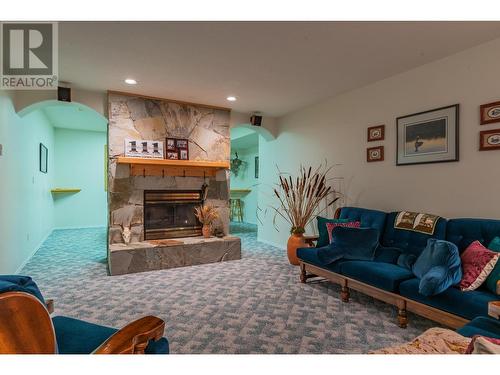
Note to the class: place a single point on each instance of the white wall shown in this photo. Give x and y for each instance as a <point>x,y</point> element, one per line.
<point>246,180</point>
<point>335,130</point>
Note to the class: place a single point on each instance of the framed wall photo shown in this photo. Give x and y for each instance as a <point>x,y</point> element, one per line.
<point>375,154</point>
<point>489,113</point>
<point>489,140</point>
<point>180,146</point>
<point>428,137</point>
<point>44,158</point>
<point>376,133</point>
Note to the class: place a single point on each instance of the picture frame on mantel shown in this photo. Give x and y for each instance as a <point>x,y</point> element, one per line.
<point>376,133</point>
<point>428,137</point>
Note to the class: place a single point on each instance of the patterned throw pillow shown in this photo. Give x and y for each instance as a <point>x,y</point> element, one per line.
<point>483,345</point>
<point>477,264</point>
<point>349,224</point>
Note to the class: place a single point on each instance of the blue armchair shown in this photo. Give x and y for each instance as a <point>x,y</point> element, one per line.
<point>27,328</point>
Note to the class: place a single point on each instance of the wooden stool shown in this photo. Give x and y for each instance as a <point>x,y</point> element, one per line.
<point>236,209</point>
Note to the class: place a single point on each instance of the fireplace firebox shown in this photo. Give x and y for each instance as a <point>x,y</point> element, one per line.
<point>170,214</point>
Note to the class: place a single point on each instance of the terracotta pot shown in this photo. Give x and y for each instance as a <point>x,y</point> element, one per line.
<point>294,242</point>
<point>206,230</point>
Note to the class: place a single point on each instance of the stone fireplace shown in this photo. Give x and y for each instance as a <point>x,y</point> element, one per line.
<point>150,207</point>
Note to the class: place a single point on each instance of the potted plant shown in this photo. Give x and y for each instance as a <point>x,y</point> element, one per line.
<point>299,200</point>
<point>207,215</point>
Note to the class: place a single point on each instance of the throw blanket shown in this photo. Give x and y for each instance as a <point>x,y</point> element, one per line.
<point>432,341</point>
<point>417,222</point>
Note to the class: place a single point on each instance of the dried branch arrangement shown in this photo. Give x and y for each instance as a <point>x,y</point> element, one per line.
<point>300,197</point>
<point>206,214</point>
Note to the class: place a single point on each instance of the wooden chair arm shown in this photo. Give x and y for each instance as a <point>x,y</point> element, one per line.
<point>134,337</point>
<point>310,240</point>
<point>49,304</point>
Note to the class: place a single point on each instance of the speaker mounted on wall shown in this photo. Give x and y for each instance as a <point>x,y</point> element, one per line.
<point>256,120</point>
<point>64,94</point>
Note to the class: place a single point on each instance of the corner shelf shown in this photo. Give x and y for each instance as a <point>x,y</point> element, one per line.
<point>164,167</point>
<point>64,190</point>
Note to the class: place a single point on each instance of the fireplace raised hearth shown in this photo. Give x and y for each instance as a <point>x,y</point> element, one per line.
<point>170,214</point>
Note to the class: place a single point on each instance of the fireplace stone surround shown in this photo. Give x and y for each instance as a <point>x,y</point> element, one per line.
<point>207,130</point>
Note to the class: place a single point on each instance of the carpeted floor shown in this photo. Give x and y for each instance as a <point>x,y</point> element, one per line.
<point>255,305</point>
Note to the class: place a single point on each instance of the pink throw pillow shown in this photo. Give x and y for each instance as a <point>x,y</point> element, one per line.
<point>350,224</point>
<point>477,264</point>
<point>494,348</point>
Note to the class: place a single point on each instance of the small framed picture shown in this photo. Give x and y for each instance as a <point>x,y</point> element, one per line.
<point>375,154</point>
<point>170,144</point>
<point>489,140</point>
<point>183,154</point>
<point>376,133</point>
<point>172,155</point>
<point>44,158</point>
<point>181,144</point>
<point>489,113</point>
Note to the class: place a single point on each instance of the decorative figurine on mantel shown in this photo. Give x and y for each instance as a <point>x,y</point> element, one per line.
<point>207,215</point>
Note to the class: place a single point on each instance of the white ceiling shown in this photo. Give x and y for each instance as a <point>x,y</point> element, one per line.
<point>74,116</point>
<point>274,67</point>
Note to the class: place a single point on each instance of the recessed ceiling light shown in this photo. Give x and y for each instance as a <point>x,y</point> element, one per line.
<point>231,98</point>
<point>130,81</point>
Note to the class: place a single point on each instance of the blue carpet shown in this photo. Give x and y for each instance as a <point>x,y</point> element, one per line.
<point>254,305</point>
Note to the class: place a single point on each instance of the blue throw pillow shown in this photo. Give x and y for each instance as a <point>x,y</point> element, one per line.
<point>324,238</point>
<point>17,283</point>
<point>438,267</point>
<point>350,243</point>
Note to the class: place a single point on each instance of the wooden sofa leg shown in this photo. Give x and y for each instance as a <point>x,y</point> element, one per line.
<point>303,275</point>
<point>402,316</point>
<point>344,293</point>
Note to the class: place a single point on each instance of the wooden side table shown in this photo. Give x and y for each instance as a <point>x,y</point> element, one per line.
<point>494,309</point>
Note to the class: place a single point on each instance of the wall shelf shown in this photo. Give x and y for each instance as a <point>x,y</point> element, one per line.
<point>163,167</point>
<point>65,190</point>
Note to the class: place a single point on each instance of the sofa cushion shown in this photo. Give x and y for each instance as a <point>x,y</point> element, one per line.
<point>387,254</point>
<point>17,283</point>
<point>437,267</point>
<point>378,274</point>
<point>78,337</point>
<point>331,226</point>
<point>368,218</point>
<point>482,325</point>
<point>462,232</point>
<point>350,243</point>
<point>477,264</point>
<point>310,255</point>
<point>323,236</point>
<point>453,300</point>
<point>491,282</point>
<point>409,241</point>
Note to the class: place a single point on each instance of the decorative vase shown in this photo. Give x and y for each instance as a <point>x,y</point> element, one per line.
<point>206,231</point>
<point>295,241</point>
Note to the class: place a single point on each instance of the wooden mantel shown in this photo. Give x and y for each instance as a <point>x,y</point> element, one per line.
<point>164,167</point>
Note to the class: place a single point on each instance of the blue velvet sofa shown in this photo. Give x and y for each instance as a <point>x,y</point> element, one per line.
<point>73,336</point>
<point>385,280</point>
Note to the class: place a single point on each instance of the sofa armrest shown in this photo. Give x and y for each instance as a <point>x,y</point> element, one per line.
<point>134,337</point>
<point>311,240</point>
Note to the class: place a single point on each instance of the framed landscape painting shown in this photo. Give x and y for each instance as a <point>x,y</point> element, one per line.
<point>428,137</point>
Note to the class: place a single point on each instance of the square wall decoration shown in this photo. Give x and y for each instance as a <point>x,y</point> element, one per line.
<point>428,137</point>
<point>376,133</point>
<point>489,113</point>
<point>489,140</point>
<point>375,154</point>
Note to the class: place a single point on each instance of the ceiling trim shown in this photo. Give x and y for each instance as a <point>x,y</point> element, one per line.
<point>168,100</point>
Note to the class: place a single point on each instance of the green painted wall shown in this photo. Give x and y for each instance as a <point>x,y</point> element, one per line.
<point>26,205</point>
<point>79,163</point>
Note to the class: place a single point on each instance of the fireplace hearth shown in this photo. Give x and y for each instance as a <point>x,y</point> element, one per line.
<point>170,214</point>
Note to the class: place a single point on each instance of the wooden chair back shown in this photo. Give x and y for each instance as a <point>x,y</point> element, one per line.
<point>25,325</point>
